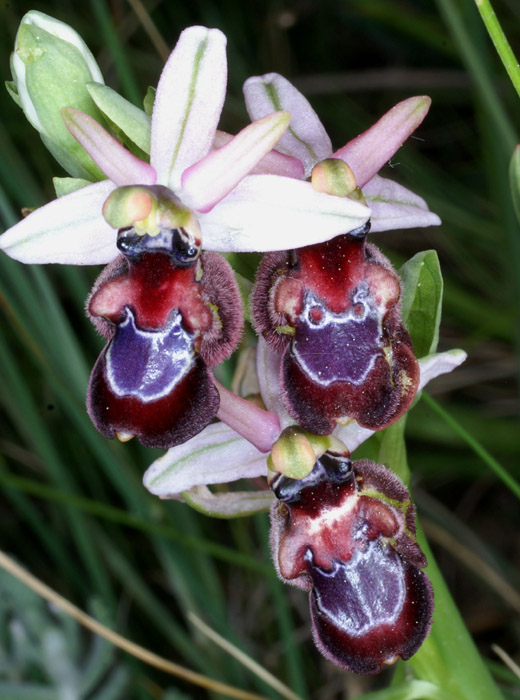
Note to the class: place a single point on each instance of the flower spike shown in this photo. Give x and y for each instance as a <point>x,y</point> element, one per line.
<point>346,534</point>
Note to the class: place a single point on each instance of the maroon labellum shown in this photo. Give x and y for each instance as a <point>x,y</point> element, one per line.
<point>169,315</point>
<point>346,533</point>
<point>334,311</point>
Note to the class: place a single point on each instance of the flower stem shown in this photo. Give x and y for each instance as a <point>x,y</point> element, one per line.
<point>500,41</point>
<point>448,658</point>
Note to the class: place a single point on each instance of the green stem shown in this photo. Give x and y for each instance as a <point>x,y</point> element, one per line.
<point>476,66</point>
<point>500,41</point>
<point>448,658</point>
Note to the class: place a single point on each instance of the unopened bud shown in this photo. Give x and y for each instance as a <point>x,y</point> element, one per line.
<point>296,451</point>
<point>51,66</point>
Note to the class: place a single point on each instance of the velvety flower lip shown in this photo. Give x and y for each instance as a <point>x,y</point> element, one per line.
<point>348,537</point>
<point>393,206</point>
<point>169,315</point>
<point>333,309</point>
<point>214,183</point>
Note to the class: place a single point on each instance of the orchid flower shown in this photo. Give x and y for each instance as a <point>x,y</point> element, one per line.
<point>392,205</point>
<point>346,534</point>
<point>343,531</point>
<point>152,379</point>
<point>186,112</point>
<point>333,309</point>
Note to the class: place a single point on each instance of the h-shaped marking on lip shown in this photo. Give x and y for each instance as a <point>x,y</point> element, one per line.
<point>148,365</point>
<point>338,347</point>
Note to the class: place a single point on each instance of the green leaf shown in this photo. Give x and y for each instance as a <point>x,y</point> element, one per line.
<point>66,185</point>
<point>11,88</point>
<point>149,100</point>
<point>514,177</point>
<point>411,690</point>
<point>131,120</point>
<point>421,300</point>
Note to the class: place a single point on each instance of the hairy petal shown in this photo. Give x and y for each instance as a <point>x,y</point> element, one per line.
<point>267,212</point>
<point>217,455</point>
<point>393,206</point>
<point>432,366</point>
<point>69,230</point>
<point>207,182</point>
<point>118,164</point>
<point>188,103</point>
<point>306,138</point>
<point>368,152</point>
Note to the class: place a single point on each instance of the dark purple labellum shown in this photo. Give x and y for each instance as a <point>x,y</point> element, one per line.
<point>336,347</point>
<point>168,316</point>
<point>351,543</point>
<point>148,364</point>
<point>334,311</point>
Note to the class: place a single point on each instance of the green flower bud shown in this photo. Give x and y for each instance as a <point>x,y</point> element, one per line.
<point>51,66</point>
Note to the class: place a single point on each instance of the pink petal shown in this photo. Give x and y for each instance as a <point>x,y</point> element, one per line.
<point>261,428</point>
<point>393,206</point>
<point>188,103</point>
<point>118,164</point>
<point>211,179</point>
<point>273,163</point>
<point>368,152</point>
<point>306,138</point>
<point>68,230</point>
<point>268,212</point>
<point>217,455</point>
<point>268,363</point>
<point>433,366</point>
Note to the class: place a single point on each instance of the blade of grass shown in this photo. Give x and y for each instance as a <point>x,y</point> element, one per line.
<point>118,640</point>
<point>16,397</point>
<point>117,51</point>
<point>475,445</point>
<point>500,42</point>
<point>244,659</point>
<point>474,60</point>
<point>122,517</point>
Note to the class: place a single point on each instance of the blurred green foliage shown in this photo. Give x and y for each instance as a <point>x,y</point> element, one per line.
<point>73,508</point>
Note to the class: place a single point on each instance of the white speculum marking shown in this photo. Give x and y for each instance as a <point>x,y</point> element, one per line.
<point>364,593</point>
<point>148,365</point>
<point>333,347</point>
